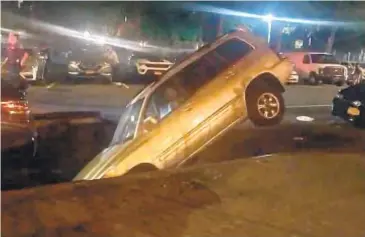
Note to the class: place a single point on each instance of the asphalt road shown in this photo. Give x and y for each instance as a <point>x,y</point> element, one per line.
<point>312,101</point>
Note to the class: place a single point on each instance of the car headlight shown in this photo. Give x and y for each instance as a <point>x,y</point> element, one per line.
<point>357,103</point>
<point>320,71</point>
<point>73,65</point>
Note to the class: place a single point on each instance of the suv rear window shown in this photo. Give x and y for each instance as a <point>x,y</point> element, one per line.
<point>204,69</point>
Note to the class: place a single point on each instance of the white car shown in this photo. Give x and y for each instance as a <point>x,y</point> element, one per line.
<point>294,78</point>
<point>318,67</point>
<point>149,67</point>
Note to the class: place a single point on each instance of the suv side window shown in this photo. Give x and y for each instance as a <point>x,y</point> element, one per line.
<point>171,94</point>
<point>166,98</point>
<point>306,59</point>
<point>203,70</point>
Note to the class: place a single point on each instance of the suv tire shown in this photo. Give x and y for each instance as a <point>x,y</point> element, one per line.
<point>265,105</point>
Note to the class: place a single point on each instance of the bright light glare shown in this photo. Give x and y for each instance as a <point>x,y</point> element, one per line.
<point>268,18</point>
<point>86,34</point>
<point>100,40</point>
<point>217,10</point>
<point>117,42</point>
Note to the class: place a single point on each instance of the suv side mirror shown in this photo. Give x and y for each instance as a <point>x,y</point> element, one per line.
<point>150,123</point>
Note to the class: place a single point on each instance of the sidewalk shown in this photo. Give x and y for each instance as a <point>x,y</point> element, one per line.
<point>303,195</point>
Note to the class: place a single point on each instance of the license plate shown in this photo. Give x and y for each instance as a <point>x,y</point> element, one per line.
<point>353,111</point>
<point>89,72</point>
<point>158,73</point>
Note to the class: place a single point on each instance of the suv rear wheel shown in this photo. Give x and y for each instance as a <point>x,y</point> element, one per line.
<point>265,105</point>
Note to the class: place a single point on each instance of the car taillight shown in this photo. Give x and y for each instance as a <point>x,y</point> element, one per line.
<point>14,106</point>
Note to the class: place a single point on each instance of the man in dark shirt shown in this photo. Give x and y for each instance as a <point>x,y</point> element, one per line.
<point>15,57</point>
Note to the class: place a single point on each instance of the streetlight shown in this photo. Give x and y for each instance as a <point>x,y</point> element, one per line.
<point>268,18</point>
<point>20,3</point>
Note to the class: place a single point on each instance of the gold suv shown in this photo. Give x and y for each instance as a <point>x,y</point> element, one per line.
<point>235,78</point>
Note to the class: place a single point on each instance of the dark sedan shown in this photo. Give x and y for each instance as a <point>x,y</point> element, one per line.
<point>349,104</point>
<point>89,64</point>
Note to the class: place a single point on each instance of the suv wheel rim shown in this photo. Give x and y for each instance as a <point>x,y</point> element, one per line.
<point>268,105</point>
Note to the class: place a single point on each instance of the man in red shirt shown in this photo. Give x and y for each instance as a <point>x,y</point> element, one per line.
<point>15,57</point>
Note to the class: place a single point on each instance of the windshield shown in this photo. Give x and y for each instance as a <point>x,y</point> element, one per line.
<point>87,54</point>
<point>324,59</point>
<point>127,125</point>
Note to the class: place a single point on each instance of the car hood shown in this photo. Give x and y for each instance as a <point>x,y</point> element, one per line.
<point>356,92</point>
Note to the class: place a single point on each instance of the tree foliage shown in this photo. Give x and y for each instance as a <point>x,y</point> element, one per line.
<point>160,21</point>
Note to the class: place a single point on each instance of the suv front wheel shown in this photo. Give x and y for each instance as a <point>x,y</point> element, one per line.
<point>265,106</point>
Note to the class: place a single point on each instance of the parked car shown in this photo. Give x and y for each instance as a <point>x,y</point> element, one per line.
<point>349,104</point>
<point>236,78</point>
<point>150,65</point>
<point>18,134</point>
<point>315,68</point>
<point>88,63</point>
<point>294,77</point>
<point>16,116</point>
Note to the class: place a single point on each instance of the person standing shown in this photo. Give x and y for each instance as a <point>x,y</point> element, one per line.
<point>15,58</point>
<point>357,74</point>
<point>112,58</point>
<point>43,62</point>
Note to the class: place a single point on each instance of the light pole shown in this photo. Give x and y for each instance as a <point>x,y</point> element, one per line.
<point>20,3</point>
<point>268,18</point>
